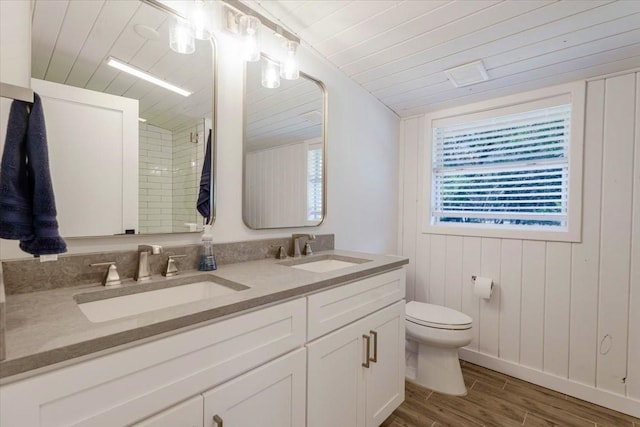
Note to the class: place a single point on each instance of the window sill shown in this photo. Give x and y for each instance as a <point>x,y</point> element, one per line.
<point>470,230</point>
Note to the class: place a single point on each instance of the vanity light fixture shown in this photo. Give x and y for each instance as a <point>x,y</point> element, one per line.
<point>240,19</point>
<point>115,63</point>
<point>289,69</point>
<point>182,37</point>
<point>198,17</point>
<point>270,74</point>
<point>249,26</point>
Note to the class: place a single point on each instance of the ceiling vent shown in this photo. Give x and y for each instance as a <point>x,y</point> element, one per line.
<point>468,74</point>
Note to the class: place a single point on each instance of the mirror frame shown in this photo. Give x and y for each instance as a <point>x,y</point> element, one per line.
<point>323,90</point>
<point>214,117</point>
<point>214,134</point>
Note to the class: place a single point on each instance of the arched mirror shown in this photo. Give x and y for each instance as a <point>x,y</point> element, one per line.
<point>126,153</point>
<point>284,150</point>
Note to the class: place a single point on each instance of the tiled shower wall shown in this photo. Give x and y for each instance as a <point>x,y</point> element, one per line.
<point>187,166</point>
<point>155,197</point>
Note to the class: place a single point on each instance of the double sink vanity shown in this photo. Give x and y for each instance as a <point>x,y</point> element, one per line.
<point>315,341</point>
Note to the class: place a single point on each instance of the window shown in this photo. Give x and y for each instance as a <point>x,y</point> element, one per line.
<point>314,183</point>
<point>508,171</point>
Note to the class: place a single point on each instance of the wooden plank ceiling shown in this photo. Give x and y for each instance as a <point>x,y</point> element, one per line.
<point>398,50</point>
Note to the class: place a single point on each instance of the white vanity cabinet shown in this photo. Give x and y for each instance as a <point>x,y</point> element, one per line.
<point>185,414</point>
<point>130,385</point>
<point>356,373</point>
<point>298,363</point>
<point>270,395</point>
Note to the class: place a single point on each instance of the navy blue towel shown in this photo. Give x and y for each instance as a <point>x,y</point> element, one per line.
<point>204,197</point>
<point>27,204</point>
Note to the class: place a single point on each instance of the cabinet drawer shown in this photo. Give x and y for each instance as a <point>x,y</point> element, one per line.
<point>329,310</point>
<point>126,386</point>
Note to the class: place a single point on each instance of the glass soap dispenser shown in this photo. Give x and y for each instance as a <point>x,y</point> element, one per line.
<point>207,259</point>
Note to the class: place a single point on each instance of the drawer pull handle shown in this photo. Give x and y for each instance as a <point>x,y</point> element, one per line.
<point>374,359</point>
<point>217,420</point>
<point>367,357</point>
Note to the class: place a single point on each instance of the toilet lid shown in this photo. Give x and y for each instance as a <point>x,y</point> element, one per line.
<point>436,316</point>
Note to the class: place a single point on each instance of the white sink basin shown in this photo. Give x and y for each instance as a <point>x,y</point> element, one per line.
<point>324,265</point>
<point>117,307</point>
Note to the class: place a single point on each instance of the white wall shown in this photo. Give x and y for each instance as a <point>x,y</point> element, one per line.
<point>564,315</point>
<point>15,64</point>
<point>277,186</point>
<point>362,157</point>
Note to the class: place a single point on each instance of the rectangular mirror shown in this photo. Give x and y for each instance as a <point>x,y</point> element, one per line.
<point>126,154</point>
<point>284,151</point>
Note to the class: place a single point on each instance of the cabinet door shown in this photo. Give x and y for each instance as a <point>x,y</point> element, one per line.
<point>335,386</point>
<point>185,414</point>
<point>385,377</point>
<point>272,395</point>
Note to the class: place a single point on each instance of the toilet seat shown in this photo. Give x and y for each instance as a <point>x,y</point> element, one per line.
<point>436,316</point>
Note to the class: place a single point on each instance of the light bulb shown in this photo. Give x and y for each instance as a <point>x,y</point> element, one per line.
<point>270,75</point>
<point>198,18</point>
<point>289,66</point>
<point>181,37</point>
<point>249,26</point>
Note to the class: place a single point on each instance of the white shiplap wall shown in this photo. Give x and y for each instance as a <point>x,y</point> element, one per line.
<point>564,315</point>
<point>275,190</point>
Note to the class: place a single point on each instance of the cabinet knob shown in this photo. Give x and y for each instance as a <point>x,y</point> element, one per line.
<point>218,421</point>
<point>367,356</point>
<point>374,359</point>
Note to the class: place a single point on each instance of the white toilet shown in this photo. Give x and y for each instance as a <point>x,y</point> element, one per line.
<point>439,331</point>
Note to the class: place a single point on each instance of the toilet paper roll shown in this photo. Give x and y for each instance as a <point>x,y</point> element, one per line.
<point>483,287</point>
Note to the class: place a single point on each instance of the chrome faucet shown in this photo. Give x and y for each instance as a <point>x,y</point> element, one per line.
<point>142,273</point>
<point>296,245</point>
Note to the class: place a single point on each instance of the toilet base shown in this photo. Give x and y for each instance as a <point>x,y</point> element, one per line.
<point>439,370</point>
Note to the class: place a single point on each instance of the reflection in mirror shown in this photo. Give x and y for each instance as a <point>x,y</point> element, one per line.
<point>126,154</point>
<point>284,151</point>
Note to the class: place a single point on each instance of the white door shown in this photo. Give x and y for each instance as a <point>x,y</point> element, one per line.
<point>272,395</point>
<point>385,377</point>
<point>185,414</point>
<point>93,154</point>
<point>335,383</point>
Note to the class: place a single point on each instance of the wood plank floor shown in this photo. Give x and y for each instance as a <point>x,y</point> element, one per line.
<point>495,399</point>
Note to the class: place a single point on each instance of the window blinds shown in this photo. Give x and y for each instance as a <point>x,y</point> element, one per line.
<point>510,170</point>
<point>314,183</point>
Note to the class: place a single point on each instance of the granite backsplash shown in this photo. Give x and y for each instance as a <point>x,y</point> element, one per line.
<point>30,275</point>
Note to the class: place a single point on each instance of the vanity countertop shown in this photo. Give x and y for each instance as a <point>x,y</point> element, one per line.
<point>47,328</point>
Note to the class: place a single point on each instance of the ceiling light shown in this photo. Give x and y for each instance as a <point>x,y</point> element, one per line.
<point>289,66</point>
<point>141,120</point>
<point>182,37</point>
<point>468,74</point>
<point>198,18</point>
<point>115,63</point>
<point>270,75</point>
<point>249,26</point>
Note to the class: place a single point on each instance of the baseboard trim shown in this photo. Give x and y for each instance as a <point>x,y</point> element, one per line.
<point>591,394</point>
